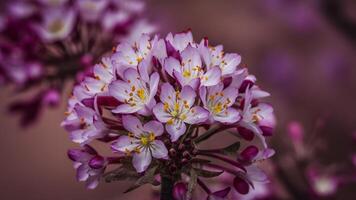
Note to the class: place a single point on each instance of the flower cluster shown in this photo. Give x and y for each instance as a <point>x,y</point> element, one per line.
<point>154,101</point>
<point>43,43</point>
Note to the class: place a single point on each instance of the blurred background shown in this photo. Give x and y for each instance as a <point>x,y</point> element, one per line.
<point>302,52</point>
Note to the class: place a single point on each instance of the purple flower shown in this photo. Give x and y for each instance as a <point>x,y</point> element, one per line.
<point>141,142</point>
<point>190,70</point>
<point>215,56</point>
<point>218,101</point>
<point>46,43</point>
<point>84,124</point>
<point>158,99</point>
<point>89,165</point>
<point>57,24</point>
<point>177,108</point>
<point>136,91</point>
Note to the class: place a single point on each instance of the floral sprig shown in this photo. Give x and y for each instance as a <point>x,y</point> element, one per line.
<point>154,101</point>
<point>44,43</point>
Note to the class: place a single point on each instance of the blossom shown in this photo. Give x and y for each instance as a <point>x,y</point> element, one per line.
<point>215,56</point>
<point>156,99</point>
<point>136,91</point>
<point>176,109</point>
<point>219,102</point>
<point>103,74</point>
<point>85,126</point>
<point>190,70</point>
<point>57,25</point>
<point>89,165</point>
<point>141,142</point>
<point>257,118</point>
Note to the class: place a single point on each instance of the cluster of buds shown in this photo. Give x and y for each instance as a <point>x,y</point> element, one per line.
<point>154,101</point>
<point>43,43</point>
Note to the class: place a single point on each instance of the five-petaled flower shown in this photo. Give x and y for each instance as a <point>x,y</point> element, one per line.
<point>141,142</point>
<point>136,91</point>
<point>177,108</point>
<point>219,102</point>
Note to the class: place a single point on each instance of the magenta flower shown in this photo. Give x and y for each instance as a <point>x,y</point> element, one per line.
<point>141,142</point>
<point>157,99</point>
<point>45,43</point>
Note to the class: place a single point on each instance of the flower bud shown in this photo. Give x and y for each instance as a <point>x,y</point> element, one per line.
<point>97,162</point>
<point>241,186</point>
<point>249,152</point>
<point>179,191</point>
<point>172,152</point>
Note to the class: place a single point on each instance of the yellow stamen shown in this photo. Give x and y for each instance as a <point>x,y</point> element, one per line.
<point>141,94</point>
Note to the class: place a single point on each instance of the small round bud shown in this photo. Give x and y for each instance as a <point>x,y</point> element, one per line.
<point>172,152</point>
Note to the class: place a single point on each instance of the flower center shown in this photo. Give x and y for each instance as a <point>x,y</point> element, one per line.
<point>56,26</point>
<point>147,139</point>
<point>141,94</point>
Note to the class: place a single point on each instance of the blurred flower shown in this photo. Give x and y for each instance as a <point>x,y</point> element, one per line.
<point>44,43</point>
<point>322,184</point>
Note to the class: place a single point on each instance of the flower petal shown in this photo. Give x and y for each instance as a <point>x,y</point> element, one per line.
<point>230,115</point>
<point>167,93</point>
<point>159,150</point>
<point>154,80</point>
<point>196,115</point>
<point>126,108</point>
<point>132,124</point>
<point>211,77</point>
<point>160,114</point>
<point>124,144</point>
<point>176,130</point>
<point>154,127</point>
<point>141,160</point>
<point>118,89</point>
<point>171,64</point>
<point>231,60</point>
<point>188,94</point>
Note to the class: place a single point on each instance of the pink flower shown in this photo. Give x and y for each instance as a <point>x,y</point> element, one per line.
<point>158,99</point>
<point>89,165</point>
<point>219,102</point>
<point>190,70</point>
<point>45,43</point>
<point>141,142</point>
<point>177,108</point>
<point>136,91</point>
<point>84,124</point>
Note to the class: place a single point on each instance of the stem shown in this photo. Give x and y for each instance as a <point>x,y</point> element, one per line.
<point>166,188</point>
<point>207,134</point>
<point>224,159</point>
<point>203,186</point>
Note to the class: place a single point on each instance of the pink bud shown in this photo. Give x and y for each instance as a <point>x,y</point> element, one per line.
<point>249,152</point>
<point>295,131</point>
<point>179,191</point>
<point>51,97</point>
<point>97,162</point>
<point>241,186</point>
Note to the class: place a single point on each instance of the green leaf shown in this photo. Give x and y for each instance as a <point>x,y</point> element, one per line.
<point>148,177</point>
<point>206,173</point>
<point>192,183</point>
